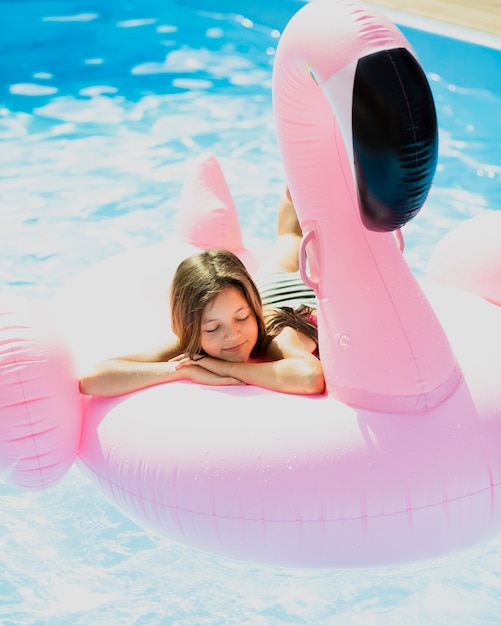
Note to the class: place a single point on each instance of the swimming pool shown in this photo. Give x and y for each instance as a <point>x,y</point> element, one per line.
<point>100,109</point>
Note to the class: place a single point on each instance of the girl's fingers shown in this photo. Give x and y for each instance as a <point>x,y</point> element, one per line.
<point>184,356</point>
<point>182,360</point>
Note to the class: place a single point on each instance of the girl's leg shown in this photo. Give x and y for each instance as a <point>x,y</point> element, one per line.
<point>288,235</point>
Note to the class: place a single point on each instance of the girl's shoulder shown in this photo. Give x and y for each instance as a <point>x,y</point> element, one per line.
<point>290,342</point>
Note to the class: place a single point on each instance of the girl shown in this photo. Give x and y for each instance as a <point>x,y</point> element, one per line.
<point>224,336</point>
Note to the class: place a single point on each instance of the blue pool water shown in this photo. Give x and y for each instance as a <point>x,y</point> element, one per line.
<point>101,103</point>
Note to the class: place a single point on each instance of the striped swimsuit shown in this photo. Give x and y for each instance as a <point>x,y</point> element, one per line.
<point>279,289</point>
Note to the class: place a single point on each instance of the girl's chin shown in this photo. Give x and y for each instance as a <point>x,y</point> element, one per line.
<point>236,358</point>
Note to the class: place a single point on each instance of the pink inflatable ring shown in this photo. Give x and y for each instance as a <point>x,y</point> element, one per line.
<point>401,458</point>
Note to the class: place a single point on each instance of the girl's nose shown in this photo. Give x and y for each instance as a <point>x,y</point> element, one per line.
<point>232,331</point>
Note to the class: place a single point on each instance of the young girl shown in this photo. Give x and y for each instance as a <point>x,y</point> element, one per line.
<point>224,337</point>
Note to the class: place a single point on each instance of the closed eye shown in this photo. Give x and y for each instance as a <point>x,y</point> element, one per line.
<point>212,330</point>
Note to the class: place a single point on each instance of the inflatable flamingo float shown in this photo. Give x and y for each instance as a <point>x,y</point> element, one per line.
<point>401,458</point>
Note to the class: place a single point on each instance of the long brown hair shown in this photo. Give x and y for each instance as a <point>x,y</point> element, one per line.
<point>300,318</point>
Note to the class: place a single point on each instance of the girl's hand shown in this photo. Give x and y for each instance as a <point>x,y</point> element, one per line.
<point>211,364</point>
<point>184,359</point>
<point>204,377</point>
<point>197,373</point>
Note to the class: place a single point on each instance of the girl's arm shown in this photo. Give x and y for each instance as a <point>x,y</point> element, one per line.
<point>117,376</point>
<point>291,367</point>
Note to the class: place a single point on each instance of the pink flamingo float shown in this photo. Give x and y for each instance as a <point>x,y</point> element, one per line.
<point>401,458</point>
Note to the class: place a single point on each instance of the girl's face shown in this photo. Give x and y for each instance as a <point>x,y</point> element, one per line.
<point>229,328</point>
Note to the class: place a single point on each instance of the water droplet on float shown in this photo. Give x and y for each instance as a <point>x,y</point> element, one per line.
<point>345,341</point>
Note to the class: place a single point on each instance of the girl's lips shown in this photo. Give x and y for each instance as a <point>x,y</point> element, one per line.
<point>235,348</point>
